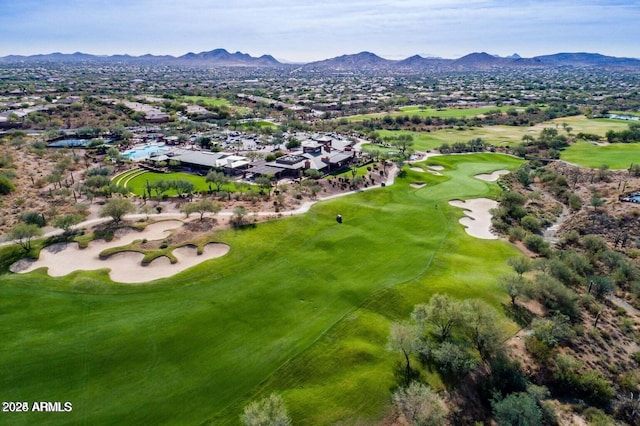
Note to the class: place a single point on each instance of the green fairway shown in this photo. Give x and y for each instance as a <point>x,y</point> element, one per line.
<point>299,306</point>
<point>206,101</point>
<point>423,112</point>
<point>616,156</point>
<point>505,135</point>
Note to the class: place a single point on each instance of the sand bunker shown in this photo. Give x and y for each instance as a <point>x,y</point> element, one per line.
<point>418,185</point>
<point>492,177</point>
<point>477,222</point>
<point>434,170</point>
<point>64,258</point>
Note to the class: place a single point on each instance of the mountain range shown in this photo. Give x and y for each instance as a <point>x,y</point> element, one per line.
<point>363,61</point>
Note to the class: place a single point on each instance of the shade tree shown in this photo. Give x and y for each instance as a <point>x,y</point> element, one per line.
<point>419,405</point>
<point>116,208</point>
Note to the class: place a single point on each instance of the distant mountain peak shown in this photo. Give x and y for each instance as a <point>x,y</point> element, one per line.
<point>362,61</point>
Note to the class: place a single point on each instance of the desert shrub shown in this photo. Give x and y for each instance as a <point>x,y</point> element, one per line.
<point>559,270</point>
<point>537,244</point>
<point>589,385</point>
<point>33,218</point>
<point>555,296</point>
<point>600,285</point>
<point>516,233</point>
<point>571,238</point>
<point>597,417</point>
<point>531,223</point>
<point>540,351</point>
<point>553,331</point>
<point>517,409</point>
<point>593,244</point>
<point>575,203</point>
<point>6,186</point>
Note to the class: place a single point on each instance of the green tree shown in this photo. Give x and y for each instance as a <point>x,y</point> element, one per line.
<point>514,285</point>
<point>442,312</point>
<point>116,208</point>
<point>202,206</point>
<point>239,214</point>
<point>404,337</point>
<point>313,174</point>
<point>183,187</point>
<point>454,361</point>
<point>265,182</point>
<point>66,221</point>
<point>517,409</point>
<point>520,264</point>
<point>419,405</point>
<point>216,178</point>
<point>482,328</point>
<point>24,233</point>
<point>270,411</point>
<point>403,143</point>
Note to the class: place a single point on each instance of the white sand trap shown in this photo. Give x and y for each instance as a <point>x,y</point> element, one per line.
<point>435,170</point>
<point>477,222</point>
<point>431,169</point>
<point>492,177</point>
<point>126,267</point>
<point>418,185</point>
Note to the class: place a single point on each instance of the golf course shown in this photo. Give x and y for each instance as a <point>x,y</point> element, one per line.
<point>299,306</point>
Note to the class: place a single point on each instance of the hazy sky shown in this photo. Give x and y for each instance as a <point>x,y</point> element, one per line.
<point>306,30</point>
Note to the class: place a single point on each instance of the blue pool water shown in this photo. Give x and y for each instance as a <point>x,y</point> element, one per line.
<point>143,152</point>
<point>72,143</point>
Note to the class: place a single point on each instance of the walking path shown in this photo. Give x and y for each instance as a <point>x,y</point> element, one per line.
<point>227,213</point>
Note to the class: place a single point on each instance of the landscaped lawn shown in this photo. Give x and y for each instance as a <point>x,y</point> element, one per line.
<point>616,156</point>
<point>138,184</point>
<point>300,306</point>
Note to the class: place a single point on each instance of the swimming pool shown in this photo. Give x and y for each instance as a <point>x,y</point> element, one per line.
<point>144,152</point>
<point>73,143</point>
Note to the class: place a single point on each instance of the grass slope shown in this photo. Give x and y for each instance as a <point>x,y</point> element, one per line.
<point>299,306</point>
